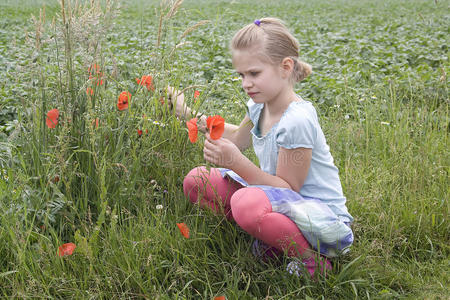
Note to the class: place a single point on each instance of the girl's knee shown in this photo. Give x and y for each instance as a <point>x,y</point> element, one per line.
<point>204,181</point>
<point>192,181</point>
<point>249,206</point>
<point>196,172</point>
<point>250,198</point>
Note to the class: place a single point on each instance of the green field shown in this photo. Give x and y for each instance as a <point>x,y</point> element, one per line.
<point>379,84</point>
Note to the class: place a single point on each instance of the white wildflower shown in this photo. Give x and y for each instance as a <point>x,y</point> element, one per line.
<point>159,124</point>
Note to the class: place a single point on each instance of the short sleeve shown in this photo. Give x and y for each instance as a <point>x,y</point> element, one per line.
<point>296,131</point>
<point>254,109</point>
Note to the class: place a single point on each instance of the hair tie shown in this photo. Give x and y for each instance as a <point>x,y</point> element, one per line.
<point>257,22</point>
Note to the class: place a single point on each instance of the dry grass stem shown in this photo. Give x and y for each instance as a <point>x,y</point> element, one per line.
<point>443,77</point>
<point>38,25</point>
<point>192,28</point>
<point>188,88</point>
<point>63,12</point>
<point>173,10</point>
<point>158,40</point>
<point>179,46</point>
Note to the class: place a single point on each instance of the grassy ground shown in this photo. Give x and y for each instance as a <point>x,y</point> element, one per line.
<point>379,84</point>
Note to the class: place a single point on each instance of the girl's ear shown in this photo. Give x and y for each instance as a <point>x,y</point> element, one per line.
<point>287,66</point>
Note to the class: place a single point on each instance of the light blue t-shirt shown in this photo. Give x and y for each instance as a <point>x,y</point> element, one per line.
<point>299,127</point>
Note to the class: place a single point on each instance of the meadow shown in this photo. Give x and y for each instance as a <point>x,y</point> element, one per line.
<point>110,180</point>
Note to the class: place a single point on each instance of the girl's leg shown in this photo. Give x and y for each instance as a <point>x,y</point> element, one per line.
<point>252,211</point>
<point>210,189</point>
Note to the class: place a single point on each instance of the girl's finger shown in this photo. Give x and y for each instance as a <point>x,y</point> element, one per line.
<point>208,157</point>
<point>208,137</point>
<point>207,144</point>
<point>208,151</point>
<point>210,143</point>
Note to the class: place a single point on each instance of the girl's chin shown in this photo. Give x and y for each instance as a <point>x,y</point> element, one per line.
<point>258,100</point>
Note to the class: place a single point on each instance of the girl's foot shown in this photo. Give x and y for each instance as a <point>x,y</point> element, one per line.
<point>311,264</point>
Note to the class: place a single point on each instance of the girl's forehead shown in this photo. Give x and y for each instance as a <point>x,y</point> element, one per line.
<point>247,59</point>
<point>245,53</point>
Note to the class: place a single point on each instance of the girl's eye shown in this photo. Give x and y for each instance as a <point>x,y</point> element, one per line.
<point>254,73</point>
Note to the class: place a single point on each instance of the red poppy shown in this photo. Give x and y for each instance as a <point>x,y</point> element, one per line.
<point>196,94</point>
<point>216,126</point>
<point>52,118</point>
<point>192,129</point>
<point>183,229</point>
<point>146,80</point>
<point>95,73</point>
<point>122,103</point>
<point>66,249</point>
<point>139,132</point>
<point>95,123</point>
<point>220,298</point>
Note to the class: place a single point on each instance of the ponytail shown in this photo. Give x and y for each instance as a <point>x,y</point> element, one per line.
<point>301,70</point>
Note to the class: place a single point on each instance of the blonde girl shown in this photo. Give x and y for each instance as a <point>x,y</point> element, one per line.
<point>293,201</point>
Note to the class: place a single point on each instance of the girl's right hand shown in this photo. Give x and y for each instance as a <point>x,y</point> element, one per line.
<point>176,99</point>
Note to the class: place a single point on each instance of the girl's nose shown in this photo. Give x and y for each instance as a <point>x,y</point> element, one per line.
<point>246,83</point>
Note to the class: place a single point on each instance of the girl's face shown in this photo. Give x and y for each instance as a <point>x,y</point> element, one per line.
<point>261,80</point>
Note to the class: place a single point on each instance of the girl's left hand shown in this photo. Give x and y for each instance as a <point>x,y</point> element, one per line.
<point>221,152</point>
<point>181,109</point>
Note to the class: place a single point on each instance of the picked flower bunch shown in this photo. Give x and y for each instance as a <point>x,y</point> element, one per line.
<point>214,124</point>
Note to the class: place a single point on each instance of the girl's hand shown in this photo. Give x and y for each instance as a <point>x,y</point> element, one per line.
<point>176,99</point>
<point>221,152</point>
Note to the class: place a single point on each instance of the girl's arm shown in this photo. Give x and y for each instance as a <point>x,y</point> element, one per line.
<point>293,166</point>
<point>292,169</point>
<point>239,135</point>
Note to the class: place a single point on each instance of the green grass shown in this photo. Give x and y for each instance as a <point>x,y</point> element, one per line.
<point>379,84</point>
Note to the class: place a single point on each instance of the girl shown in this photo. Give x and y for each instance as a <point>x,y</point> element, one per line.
<point>294,201</point>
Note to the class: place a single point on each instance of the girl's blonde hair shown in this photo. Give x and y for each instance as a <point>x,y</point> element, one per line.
<point>276,44</point>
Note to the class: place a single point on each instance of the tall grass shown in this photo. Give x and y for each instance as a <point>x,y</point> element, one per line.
<point>99,187</point>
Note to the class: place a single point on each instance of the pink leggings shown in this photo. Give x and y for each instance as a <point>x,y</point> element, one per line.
<point>248,206</point>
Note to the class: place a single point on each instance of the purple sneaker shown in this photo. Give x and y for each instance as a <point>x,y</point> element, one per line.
<point>265,252</point>
<point>311,265</point>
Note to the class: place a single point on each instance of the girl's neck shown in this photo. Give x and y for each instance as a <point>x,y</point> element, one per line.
<point>278,105</point>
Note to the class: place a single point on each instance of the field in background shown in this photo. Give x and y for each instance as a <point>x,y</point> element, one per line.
<point>379,84</point>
